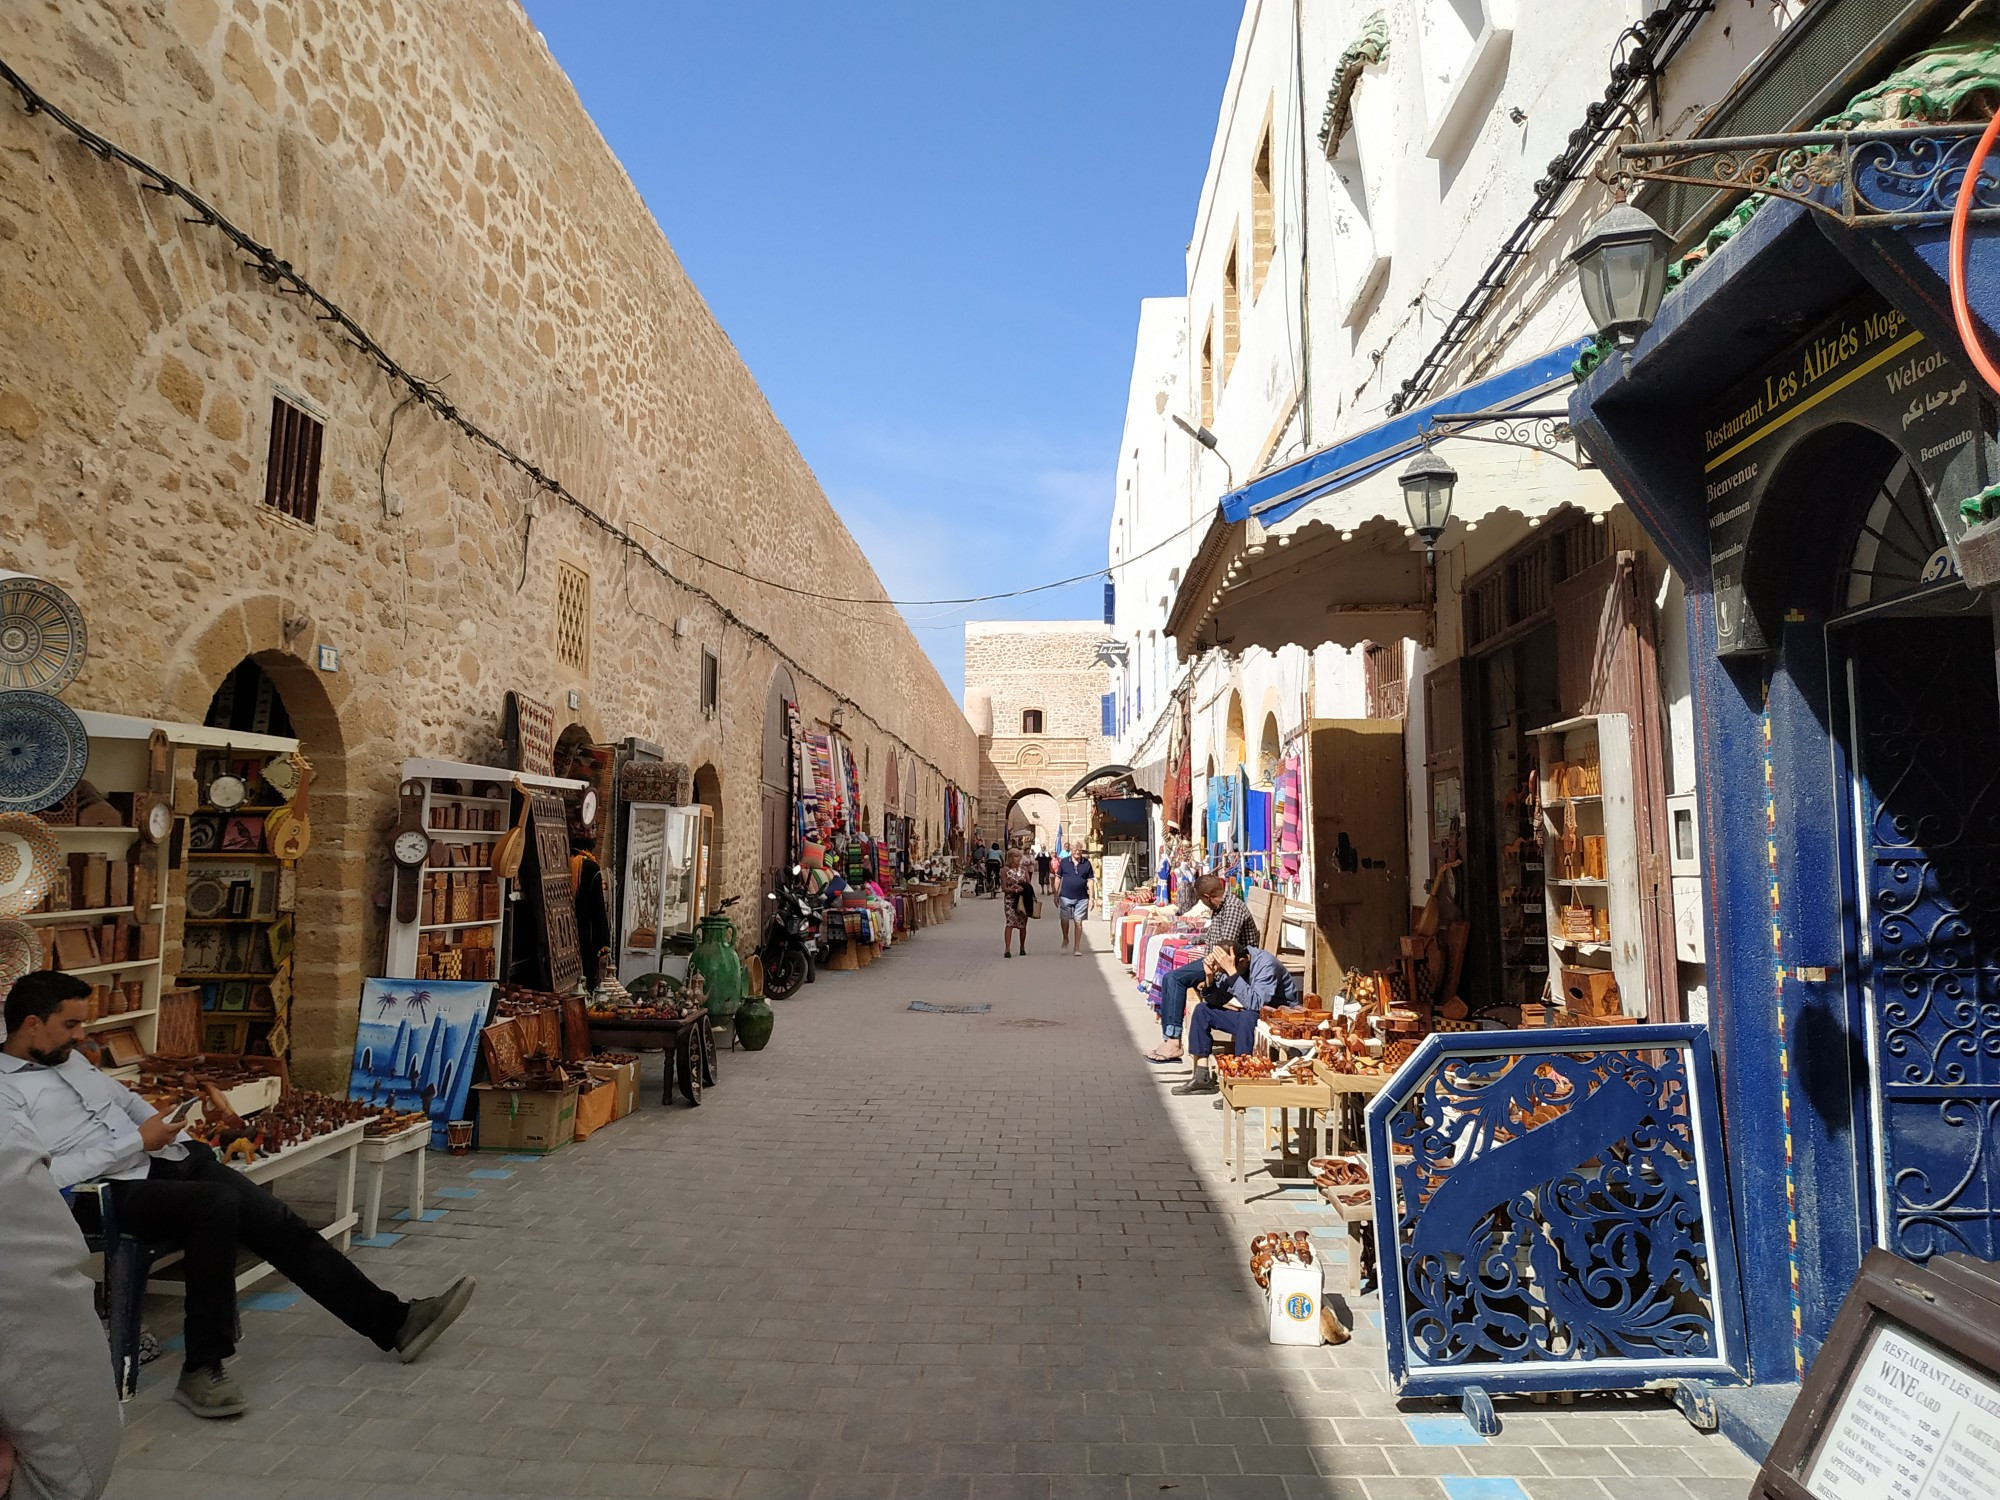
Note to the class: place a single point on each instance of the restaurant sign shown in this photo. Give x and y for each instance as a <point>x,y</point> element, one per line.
<point>1866,364</point>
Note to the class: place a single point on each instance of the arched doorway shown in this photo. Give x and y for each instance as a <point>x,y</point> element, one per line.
<point>1033,816</point>
<point>780,782</point>
<point>708,792</point>
<point>299,1010</point>
<point>1268,752</point>
<point>1234,747</point>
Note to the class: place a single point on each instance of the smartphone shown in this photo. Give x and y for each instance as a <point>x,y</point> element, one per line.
<point>182,1110</point>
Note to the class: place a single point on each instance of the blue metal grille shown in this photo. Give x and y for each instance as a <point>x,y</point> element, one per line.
<point>1551,1222</point>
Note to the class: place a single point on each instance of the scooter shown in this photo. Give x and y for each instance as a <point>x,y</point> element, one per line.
<point>791,941</point>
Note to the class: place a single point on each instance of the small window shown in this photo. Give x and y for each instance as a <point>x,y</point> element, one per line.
<point>291,469</point>
<point>1262,218</point>
<point>711,682</point>
<point>1031,721</point>
<point>572,616</point>
<point>1232,304</point>
<point>1208,375</point>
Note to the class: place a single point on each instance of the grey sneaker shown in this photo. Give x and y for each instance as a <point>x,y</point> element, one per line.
<point>210,1391</point>
<point>430,1317</point>
<point>1202,1083</point>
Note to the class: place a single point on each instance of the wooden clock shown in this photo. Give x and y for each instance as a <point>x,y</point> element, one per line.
<point>411,846</point>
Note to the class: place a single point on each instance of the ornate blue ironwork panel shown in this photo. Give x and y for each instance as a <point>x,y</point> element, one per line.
<point>1551,1213</point>
<point>1928,728</point>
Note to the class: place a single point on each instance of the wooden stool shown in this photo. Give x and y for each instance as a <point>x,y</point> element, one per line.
<point>1356,1206</point>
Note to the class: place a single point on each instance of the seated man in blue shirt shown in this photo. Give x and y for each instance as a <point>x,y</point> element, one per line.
<point>1234,989</point>
<point>171,1190</point>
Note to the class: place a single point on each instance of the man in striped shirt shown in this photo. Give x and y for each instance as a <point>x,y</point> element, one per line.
<point>1230,927</point>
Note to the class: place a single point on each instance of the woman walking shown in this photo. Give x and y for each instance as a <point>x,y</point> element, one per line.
<point>1017,898</point>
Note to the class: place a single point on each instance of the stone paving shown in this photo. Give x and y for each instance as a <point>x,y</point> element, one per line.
<point>898,1256</point>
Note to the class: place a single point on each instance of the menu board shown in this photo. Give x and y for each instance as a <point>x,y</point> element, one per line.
<point>1865,364</point>
<point>1913,1424</point>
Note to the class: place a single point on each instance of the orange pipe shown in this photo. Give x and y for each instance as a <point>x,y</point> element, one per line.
<point>1961,309</point>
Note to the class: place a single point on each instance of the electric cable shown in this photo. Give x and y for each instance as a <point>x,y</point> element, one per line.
<point>1961,216</point>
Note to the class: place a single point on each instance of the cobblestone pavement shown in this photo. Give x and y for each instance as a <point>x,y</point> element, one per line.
<point>896,1255</point>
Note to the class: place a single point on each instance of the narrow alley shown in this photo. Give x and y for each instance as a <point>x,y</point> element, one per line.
<point>897,1254</point>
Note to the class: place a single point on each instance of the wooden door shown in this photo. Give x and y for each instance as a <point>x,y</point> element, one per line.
<point>1606,663</point>
<point>1444,764</point>
<point>1361,865</point>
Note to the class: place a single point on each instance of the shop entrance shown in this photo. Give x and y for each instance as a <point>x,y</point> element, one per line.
<point>780,786</point>
<point>1924,731</point>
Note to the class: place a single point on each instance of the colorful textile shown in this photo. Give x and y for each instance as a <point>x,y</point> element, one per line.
<point>1291,816</point>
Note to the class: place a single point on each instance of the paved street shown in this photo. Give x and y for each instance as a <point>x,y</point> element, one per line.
<point>896,1255</point>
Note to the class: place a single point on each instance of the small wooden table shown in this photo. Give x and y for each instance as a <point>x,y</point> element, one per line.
<point>342,1147</point>
<point>1241,1095</point>
<point>377,1151</point>
<point>676,1038</point>
<point>1349,1089</point>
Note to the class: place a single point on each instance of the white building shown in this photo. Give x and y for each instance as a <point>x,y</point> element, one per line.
<point>1371,164</point>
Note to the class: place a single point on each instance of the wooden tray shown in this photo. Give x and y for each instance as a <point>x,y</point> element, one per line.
<point>1262,1093</point>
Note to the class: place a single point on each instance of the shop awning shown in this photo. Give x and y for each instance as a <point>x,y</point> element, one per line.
<point>1337,562</point>
<point>1106,773</point>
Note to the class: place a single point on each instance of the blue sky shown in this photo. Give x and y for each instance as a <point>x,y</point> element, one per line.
<point>927,226</point>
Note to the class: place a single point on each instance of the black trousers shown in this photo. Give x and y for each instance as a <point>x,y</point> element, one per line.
<point>208,1209</point>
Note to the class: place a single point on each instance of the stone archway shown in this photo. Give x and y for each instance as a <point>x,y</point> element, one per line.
<point>708,792</point>
<point>339,935</point>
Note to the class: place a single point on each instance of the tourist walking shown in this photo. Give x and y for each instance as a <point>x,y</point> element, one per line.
<point>1017,899</point>
<point>1073,899</point>
<point>1043,868</point>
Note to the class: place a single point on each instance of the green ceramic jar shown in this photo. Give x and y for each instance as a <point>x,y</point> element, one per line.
<point>754,1022</point>
<point>721,970</point>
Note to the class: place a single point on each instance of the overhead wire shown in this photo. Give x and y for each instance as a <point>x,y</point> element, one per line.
<point>278,272</point>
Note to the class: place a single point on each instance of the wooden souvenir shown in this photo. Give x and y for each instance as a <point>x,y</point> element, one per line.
<point>288,832</point>
<point>180,1023</point>
<point>507,854</point>
<point>500,1049</point>
<point>243,835</point>
<point>74,948</point>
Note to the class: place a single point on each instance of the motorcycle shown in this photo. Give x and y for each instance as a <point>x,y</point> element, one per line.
<point>793,944</point>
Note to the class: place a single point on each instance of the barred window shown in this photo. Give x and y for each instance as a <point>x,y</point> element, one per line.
<point>291,468</point>
<point>572,616</point>
<point>711,682</point>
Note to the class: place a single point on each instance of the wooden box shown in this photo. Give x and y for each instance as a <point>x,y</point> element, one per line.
<point>1590,992</point>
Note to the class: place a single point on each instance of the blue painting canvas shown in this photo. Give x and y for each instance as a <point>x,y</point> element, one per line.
<point>417,1044</point>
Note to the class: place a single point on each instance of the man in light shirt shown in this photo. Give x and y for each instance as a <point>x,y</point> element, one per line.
<point>171,1190</point>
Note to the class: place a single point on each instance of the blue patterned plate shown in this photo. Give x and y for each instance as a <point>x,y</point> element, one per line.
<point>43,749</point>
<point>42,636</point>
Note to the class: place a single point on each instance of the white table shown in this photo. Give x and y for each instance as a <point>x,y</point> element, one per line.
<point>342,1147</point>
<point>376,1154</point>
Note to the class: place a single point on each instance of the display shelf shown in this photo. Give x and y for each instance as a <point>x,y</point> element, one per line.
<point>122,966</point>
<point>1598,829</point>
<point>412,948</point>
<point>124,1018</point>
<point>75,916</point>
<point>82,837</point>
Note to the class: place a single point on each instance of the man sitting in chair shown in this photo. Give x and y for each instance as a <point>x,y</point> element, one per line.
<point>173,1191</point>
<point>1236,985</point>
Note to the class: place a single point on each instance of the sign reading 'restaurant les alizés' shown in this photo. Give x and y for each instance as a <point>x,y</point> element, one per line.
<point>1864,364</point>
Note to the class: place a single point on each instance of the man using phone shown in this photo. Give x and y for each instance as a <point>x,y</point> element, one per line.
<point>174,1191</point>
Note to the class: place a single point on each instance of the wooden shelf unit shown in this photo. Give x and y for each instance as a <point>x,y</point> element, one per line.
<point>1602,741</point>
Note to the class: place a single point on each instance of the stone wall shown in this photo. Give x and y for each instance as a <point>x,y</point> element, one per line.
<point>428,166</point>
<point>1050,666</point>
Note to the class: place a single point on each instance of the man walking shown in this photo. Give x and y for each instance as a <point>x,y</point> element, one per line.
<point>1229,927</point>
<point>1074,880</point>
<point>174,1191</point>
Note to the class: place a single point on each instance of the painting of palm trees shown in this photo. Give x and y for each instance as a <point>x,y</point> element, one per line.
<point>415,1045</point>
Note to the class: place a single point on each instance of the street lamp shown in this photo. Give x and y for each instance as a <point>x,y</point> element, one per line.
<point>1621,268</point>
<point>1208,440</point>
<point>1427,482</point>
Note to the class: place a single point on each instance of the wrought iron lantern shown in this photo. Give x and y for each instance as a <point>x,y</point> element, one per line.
<point>1428,482</point>
<point>1621,268</point>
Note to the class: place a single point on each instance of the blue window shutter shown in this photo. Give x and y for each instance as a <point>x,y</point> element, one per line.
<point>1110,602</point>
<point>1108,704</point>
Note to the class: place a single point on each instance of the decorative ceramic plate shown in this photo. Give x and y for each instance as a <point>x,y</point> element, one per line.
<point>43,750</point>
<point>29,859</point>
<point>42,638</point>
<point>20,952</point>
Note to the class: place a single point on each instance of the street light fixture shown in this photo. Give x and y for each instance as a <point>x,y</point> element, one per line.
<point>1428,482</point>
<point>1621,269</point>
<point>1209,441</point>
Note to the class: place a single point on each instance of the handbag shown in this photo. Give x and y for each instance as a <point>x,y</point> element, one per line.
<point>1035,902</point>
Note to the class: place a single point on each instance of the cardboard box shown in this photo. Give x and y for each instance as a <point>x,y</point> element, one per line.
<point>625,1078</point>
<point>595,1109</point>
<point>524,1119</point>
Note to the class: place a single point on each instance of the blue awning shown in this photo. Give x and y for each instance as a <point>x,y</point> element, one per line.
<point>1275,495</point>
